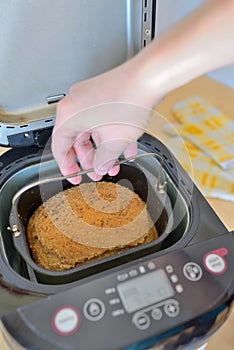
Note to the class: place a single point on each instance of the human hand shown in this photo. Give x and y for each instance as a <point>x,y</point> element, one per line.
<point>105,108</point>
<point>114,108</point>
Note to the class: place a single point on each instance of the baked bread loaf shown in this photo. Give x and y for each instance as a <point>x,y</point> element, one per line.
<point>88,222</point>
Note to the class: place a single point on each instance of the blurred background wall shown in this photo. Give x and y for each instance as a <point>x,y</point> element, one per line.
<point>171,11</point>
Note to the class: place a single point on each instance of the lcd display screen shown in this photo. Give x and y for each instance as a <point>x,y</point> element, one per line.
<point>145,290</point>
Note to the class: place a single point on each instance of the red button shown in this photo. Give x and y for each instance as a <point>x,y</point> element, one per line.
<point>66,320</point>
<point>215,263</point>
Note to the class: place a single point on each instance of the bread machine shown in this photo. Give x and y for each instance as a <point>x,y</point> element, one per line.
<point>173,293</point>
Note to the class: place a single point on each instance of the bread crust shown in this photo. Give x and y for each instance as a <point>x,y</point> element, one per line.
<point>88,222</point>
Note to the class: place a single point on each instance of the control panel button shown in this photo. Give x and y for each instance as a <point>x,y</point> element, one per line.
<point>94,309</point>
<point>192,271</point>
<point>133,273</point>
<point>142,269</point>
<point>110,290</point>
<point>215,263</point>
<point>122,277</point>
<point>172,308</point>
<point>174,278</point>
<point>66,320</point>
<point>141,321</point>
<point>117,312</point>
<point>179,288</point>
<point>151,265</point>
<point>156,314</point>
<point>114,301</point>
<point>169,268</point>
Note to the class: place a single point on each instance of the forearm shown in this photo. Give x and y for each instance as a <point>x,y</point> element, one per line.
<point>200,43</point>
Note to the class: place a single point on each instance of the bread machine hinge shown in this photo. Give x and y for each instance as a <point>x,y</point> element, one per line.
<point>37,138</point>
<point>148,14</point>
<point>55,98</point>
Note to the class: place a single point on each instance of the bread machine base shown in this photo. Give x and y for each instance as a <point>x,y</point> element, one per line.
<point>170,301</point>
<point>172,297</point>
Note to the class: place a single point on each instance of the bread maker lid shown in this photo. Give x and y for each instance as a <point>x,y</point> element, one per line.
<point>46,47</point>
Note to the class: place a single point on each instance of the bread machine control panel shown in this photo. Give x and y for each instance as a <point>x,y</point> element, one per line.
<point>130,303</point>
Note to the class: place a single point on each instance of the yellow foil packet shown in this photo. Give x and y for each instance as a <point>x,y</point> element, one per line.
<point>207,128</point>
<point>206,150</point>
<point>213,181</point>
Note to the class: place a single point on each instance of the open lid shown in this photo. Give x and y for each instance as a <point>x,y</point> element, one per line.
<point>46,46</point>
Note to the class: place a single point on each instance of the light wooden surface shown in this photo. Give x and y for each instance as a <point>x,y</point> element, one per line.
<point>222,97</point>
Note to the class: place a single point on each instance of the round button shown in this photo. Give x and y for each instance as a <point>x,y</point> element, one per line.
<point>172,308</point>
<point>66,320</point>
<point>192,271</point>
<point>156,314</point>
<point>94,309</point>
<point>215,263</point>
<point>141,321</point>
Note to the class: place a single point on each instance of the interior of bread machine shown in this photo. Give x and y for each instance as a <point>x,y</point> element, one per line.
<point>171,197</point>
<point>26,125</point>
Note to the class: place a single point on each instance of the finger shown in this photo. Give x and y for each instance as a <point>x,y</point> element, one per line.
<point>65,156</point>
<point>69,167</point>
<point>131,150</point>
<point>114,170</point>
<point>107,154</point>
<point>85,154</point>
<point>96,138</point>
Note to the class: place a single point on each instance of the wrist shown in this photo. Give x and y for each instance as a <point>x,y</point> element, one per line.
<point>187,50</point>
<point>142,81</point>
<point>152,75</point>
